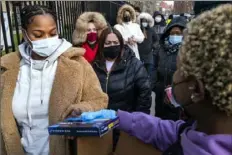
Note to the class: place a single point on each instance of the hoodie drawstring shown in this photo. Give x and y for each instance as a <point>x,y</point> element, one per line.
<point>42,90</point>
<point>29,97</point>
<point>42,81</point>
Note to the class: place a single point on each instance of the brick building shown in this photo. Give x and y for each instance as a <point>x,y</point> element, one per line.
<point>183,7</point>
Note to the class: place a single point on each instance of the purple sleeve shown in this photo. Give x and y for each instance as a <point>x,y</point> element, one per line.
<point>160,133</point>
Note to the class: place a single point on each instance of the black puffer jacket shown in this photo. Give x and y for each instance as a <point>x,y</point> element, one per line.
<point>145,48</point>
<point>127,85</point>
<point>165,64</point>
<point>150,41</point>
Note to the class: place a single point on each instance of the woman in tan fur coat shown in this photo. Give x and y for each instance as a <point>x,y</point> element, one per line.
<point>87,31</point>
<point>42,84</point>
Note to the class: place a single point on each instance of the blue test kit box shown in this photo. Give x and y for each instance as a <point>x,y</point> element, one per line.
<point>79,128</point>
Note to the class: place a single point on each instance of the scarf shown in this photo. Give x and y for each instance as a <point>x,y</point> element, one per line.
<point>90,53</point>
<point>171,49</point>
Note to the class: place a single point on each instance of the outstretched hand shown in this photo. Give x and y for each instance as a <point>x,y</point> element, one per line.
<point>75,111</point>
<point>72,111</point>
<point>131,41</point>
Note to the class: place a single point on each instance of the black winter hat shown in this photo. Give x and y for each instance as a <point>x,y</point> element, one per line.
<point>178,21</point>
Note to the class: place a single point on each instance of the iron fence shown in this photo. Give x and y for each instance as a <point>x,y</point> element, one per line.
<point>67,13</point>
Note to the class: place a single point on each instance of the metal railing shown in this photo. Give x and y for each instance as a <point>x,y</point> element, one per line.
<point>67,13</point>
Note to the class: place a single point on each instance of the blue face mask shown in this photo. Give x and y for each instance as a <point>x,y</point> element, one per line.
<point>174,39</point>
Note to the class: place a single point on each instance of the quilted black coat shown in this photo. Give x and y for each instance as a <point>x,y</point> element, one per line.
<point>127,85</point>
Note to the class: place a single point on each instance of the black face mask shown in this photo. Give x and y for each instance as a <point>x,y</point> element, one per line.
<point>126,19</point>
<point>111,52</point>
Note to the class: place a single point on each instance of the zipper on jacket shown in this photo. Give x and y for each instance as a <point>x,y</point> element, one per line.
<point>107,81</point>
<point>107,76</point>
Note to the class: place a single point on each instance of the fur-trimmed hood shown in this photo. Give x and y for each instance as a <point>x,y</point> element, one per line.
<point>163,21</point>
<point>80,32</point>
<point>176,22</point>
<point>122,10</point>
<point>146,16</point>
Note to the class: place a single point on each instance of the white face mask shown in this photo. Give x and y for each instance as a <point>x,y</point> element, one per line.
<point>144,24</point>
<point>46,47</point>
<point>158,19</point>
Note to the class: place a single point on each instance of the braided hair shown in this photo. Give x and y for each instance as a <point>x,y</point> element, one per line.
<point>28,12</point>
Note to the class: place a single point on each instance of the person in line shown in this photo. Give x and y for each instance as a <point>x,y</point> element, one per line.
<point>87,31</point>
<point>130,30</point>
<point>170,18</point>
<point>122,76</point>
<point>202,85</point>
<point>45,82</point>
<point>146,48</point>
<point>160,23</point>
<point>165,64</point>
